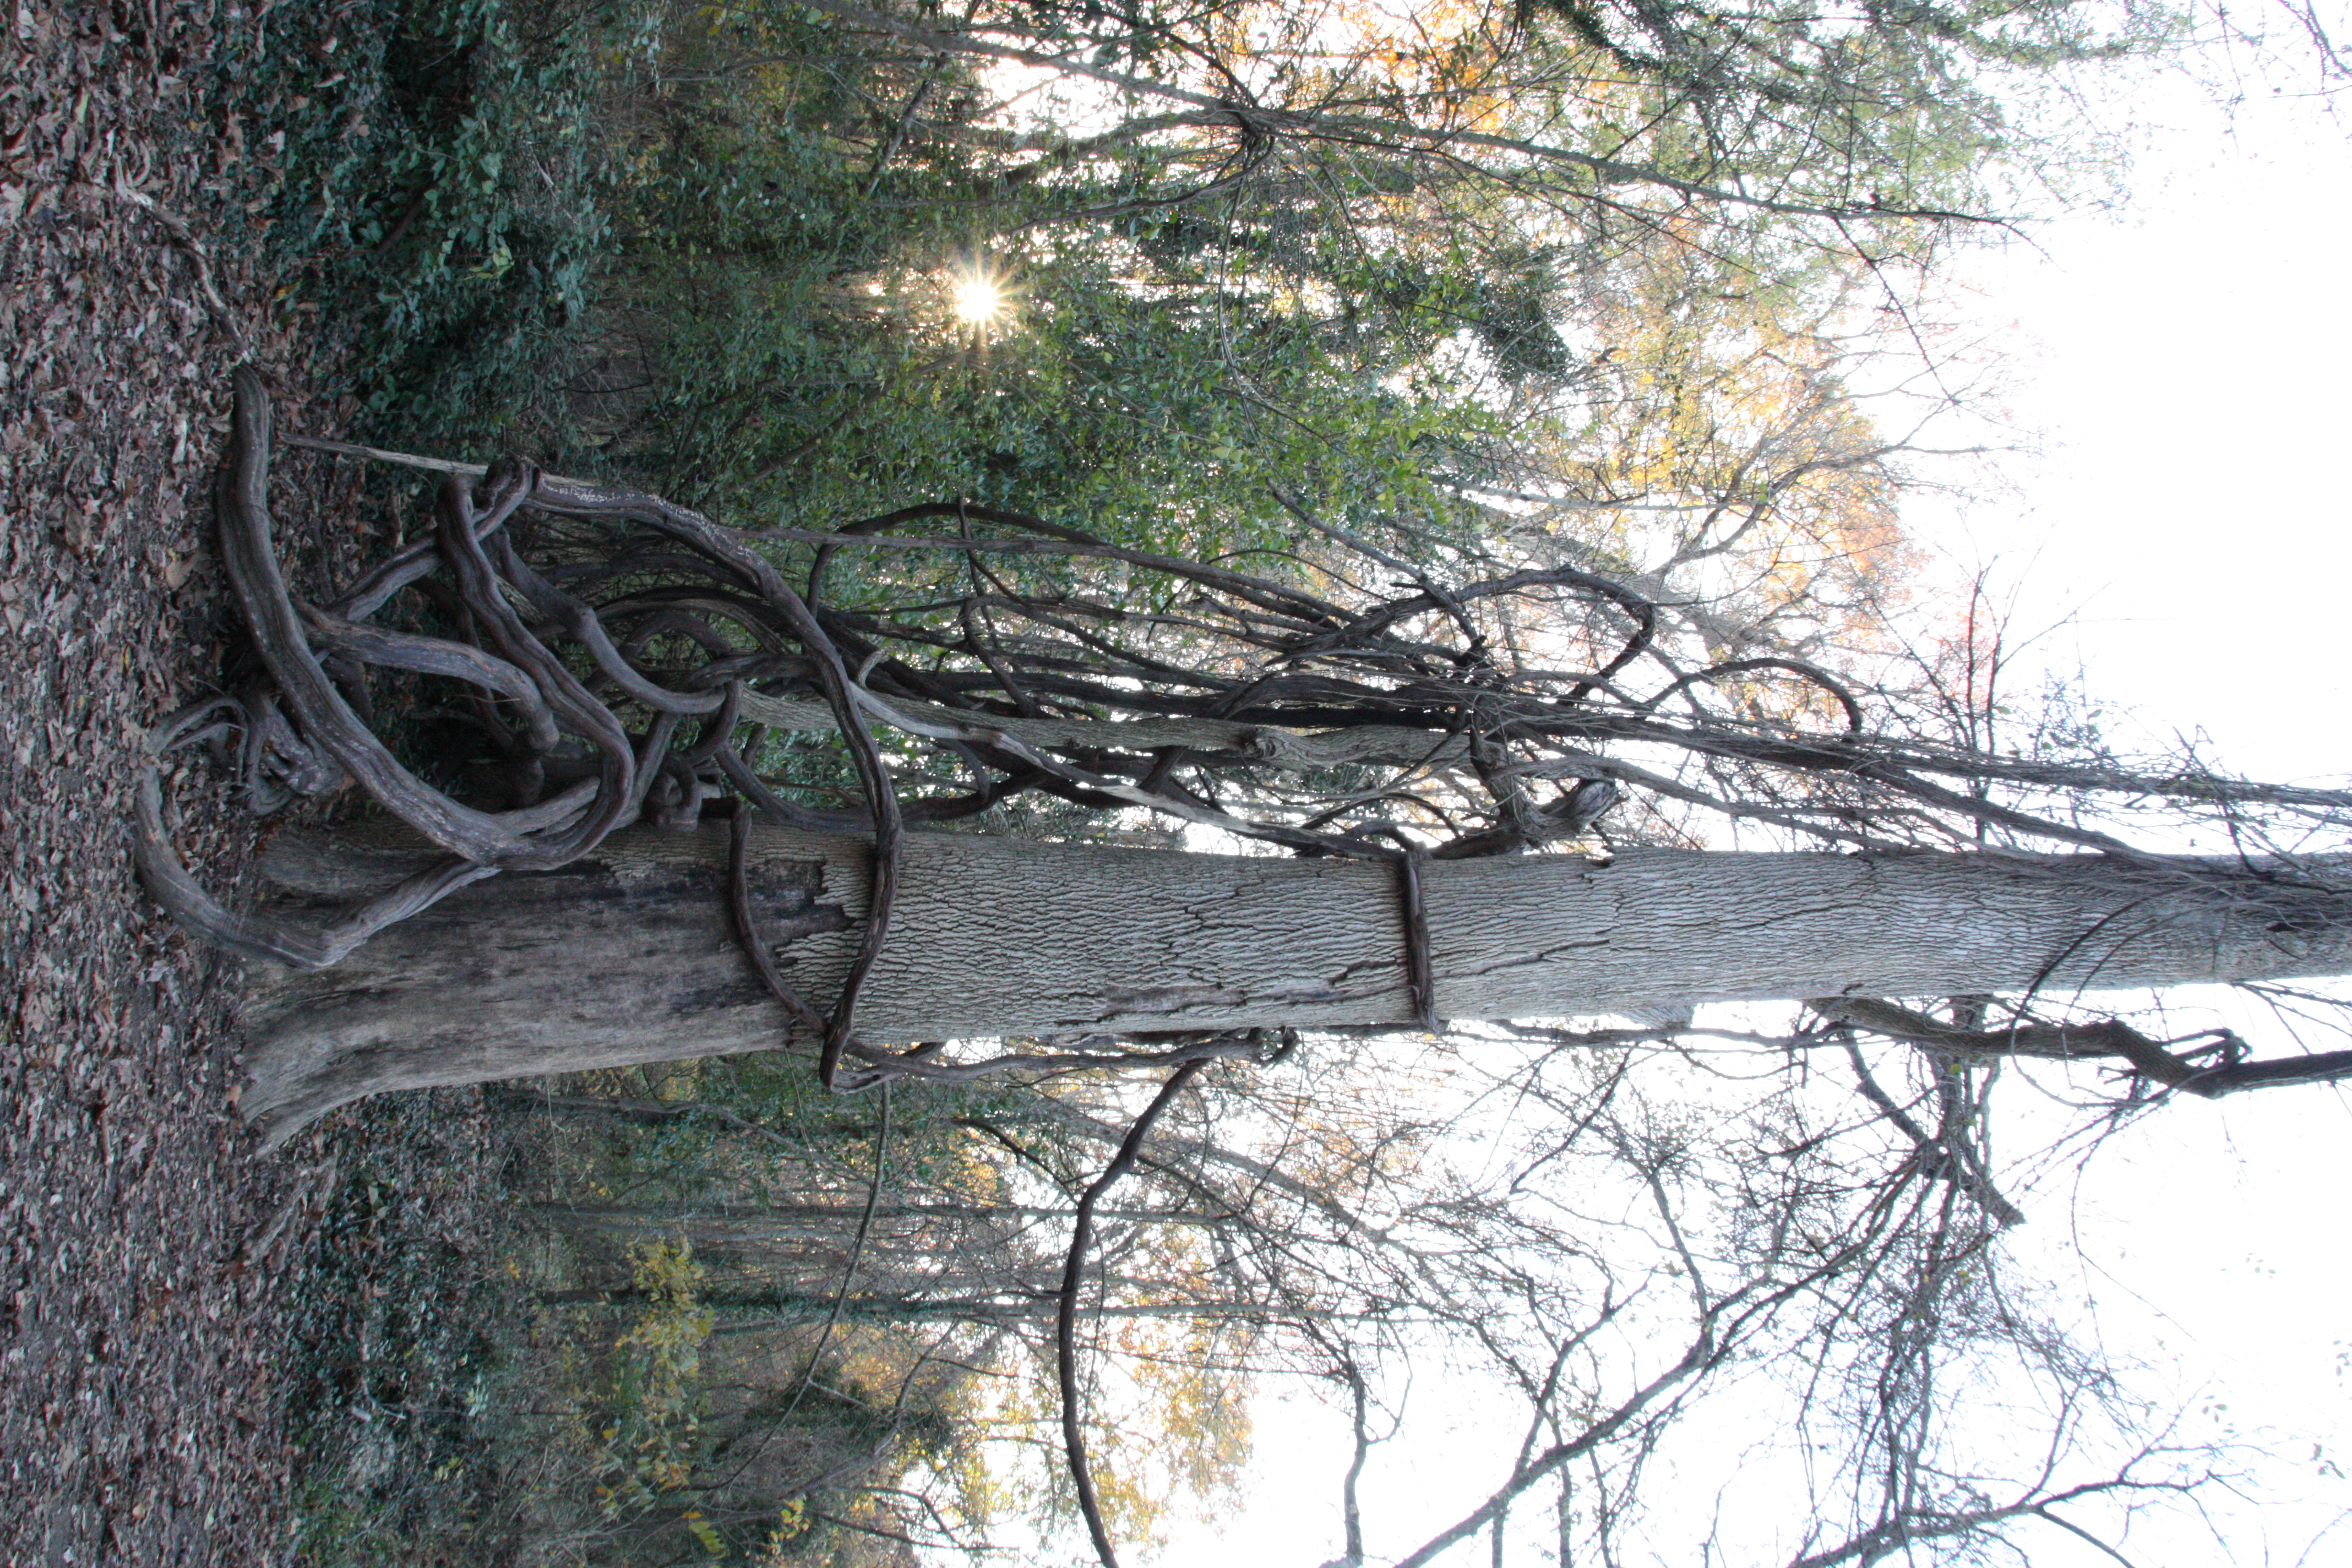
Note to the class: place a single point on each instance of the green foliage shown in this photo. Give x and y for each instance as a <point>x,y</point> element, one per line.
<point>668,242</point>
<point>440,198</point>
<point>411,1380</point>
<point>788,294</point>
<point>652,1435</point>
<point>713,247</point>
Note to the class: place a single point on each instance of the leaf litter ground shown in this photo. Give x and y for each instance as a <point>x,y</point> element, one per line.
<point>173,1311</point>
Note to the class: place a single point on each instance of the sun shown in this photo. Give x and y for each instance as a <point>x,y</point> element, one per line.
<point>979,298</point>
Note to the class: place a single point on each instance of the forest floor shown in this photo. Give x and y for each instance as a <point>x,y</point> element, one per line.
<point>151,1264</point>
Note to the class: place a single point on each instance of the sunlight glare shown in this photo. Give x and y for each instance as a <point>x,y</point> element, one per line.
<point>978,300</point>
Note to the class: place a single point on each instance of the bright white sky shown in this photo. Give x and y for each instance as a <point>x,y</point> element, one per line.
<point>2188,508</point>
<point>2188,511</point>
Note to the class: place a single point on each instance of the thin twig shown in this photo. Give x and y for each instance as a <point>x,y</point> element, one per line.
<point>1065,1323</point>
<point>856,1249</point>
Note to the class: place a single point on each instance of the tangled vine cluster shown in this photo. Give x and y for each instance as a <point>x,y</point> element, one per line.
<point>622,657</point>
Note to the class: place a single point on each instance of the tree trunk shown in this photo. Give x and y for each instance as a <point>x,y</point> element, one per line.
<point>627,957</point>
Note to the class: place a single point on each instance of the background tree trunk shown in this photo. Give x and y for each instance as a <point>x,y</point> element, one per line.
<point>626,956</point>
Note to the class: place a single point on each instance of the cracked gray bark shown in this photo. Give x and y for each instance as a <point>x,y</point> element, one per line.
<point>626,956</point>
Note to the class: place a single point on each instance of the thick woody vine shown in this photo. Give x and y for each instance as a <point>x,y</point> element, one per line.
<point>621,659</point>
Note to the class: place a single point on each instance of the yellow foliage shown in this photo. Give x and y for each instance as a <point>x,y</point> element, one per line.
<point>651,1443</point>
<point>1722,461</point>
